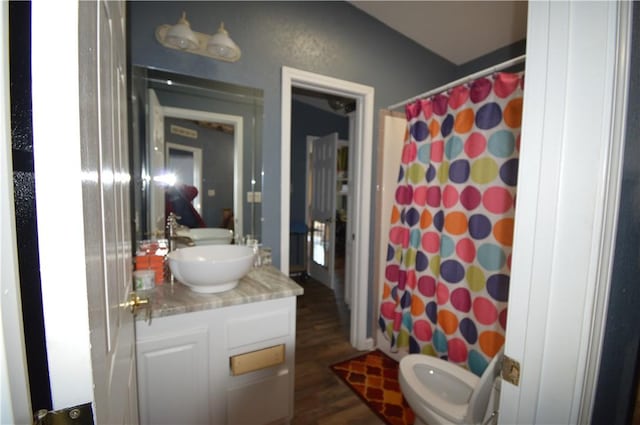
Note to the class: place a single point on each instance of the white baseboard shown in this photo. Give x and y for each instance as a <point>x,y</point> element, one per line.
<point>366,345</point>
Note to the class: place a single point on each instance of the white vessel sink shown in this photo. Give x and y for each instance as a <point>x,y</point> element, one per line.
<point>211,268</point>
<point>208,235</point>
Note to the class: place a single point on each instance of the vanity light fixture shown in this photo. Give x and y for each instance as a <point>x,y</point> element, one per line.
<point>180,37</point>
<point>222,46</point>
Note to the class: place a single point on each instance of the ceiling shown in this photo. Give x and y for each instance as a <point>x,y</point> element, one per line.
<point>459,31</point>
<point>452,29</point>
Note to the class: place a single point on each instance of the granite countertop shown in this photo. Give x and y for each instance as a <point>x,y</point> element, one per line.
<point>261,284</point>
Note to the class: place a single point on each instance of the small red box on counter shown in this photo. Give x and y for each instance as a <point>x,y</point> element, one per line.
<point>150,256</point>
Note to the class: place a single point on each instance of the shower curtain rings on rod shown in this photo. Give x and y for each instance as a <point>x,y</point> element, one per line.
<point>462,80</point>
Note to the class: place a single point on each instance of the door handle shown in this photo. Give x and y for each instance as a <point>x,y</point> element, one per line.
<point>135,302</point>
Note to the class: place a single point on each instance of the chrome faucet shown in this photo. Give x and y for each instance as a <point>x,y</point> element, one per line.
<point>173,238</point>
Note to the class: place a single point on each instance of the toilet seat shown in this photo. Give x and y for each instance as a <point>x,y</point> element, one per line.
<point>450,402</point>
<point>440,392</point>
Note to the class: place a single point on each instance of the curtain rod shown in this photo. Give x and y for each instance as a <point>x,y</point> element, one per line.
<point>462,80</point>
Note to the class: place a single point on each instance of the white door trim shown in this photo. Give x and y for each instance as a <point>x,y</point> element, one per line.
<point>61,237</point>
<point>616,116</point>
<point>15,407</point>
<point>568,185</point>
<point>363,141</point>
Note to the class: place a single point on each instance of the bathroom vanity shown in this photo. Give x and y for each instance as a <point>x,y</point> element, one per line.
<point>224,358</point>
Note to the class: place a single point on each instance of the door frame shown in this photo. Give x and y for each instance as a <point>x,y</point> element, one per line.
<point>56,106</point>
<point>14,385</point>
<point>568,191</point>
<point>362,166</point>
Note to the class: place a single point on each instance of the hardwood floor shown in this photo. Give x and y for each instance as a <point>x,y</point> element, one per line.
<point>322,338</point>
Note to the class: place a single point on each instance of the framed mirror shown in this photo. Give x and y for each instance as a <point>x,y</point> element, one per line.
<point>196,149</point>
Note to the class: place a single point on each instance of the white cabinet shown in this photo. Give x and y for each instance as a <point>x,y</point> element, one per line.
<point>170,364</point>
<point>184,365</point>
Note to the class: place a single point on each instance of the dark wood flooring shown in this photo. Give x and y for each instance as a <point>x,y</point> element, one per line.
<point>322,339</point>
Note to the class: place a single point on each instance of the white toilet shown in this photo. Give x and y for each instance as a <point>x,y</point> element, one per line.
<point>440,392</point>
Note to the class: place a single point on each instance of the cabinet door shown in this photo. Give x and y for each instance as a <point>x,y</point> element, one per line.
<point>173,379</point>
<point>251,328</point>
<point>269,399</point>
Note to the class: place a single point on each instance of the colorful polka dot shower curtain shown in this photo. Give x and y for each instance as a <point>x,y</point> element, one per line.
<point>446,280</point>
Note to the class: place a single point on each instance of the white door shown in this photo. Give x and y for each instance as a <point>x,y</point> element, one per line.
<point>323,209</point>
<point>106,205</point>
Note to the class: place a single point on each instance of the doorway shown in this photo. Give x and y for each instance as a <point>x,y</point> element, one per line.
<point>320,198</point>
<point>362,168</point>
<point>186,163</point>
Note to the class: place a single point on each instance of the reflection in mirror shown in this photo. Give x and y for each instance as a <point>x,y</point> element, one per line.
<point>196,151</point>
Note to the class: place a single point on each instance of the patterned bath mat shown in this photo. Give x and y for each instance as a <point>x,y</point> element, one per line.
<point>374,377</point>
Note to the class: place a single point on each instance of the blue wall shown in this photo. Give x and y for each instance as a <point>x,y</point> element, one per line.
<point>494,58</point>
<point>330,38</point>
